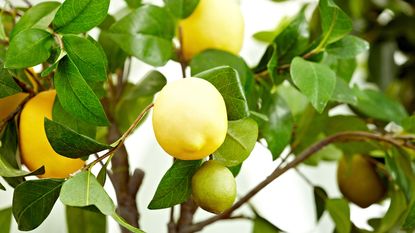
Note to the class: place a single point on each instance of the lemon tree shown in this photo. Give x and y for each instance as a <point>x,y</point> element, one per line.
<point>68,104</point>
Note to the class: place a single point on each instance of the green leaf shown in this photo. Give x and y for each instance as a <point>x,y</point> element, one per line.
<point>69,143</point>
<point>8,86</point>
<point>8,145</point>
<point>87,56</point>
<point>277,130</point>
<point>235,169</point>
<point>228,83</point>
<point>181,8</point>
<point>33,200</point>
<point>176,185</point>
<point>261,225</point>
<point>115,55</point>
<point>77,16</point>
<point>239,142</point>
<point>27,43</point>
<point>340,213</point>
<point>133,3</point>
<point>393,218</point>
<point>146,33</point>
<point>346,68</point>
<point>83,220</point>
<point>409,124</point>
<point>343,93</point>
<point>2,188</point>
<point>7,170</point>
<point>5,219</point>
<point>76,97</point>
<point>38,16</point>
<point>316,81</point>
<point>334,22</point>
<point>102,174</point>
<point>348,47</point>
<point>375,104</point>
<point>269,36</point>
<point>320,197</point>
<point>136,97</point>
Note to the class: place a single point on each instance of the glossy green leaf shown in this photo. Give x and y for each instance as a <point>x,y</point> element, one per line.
<point>8,86</point>
<point>83,220</point>
<point>136,97</point>
<point>181,8</point>
<point>75,96</point>
<point>146,33</point>
<point>39,16</point>
<point>5,219</point>
<point>77,16</point>
<point>334,22</point>
<point>239,142</point>
<point>27,43</point>
<point>343,93</point>
<point>176,185</point>
<point>261,225</point>
<point>377,105</point>
<point>320,197</point>
<point>340,213</point>
<point>316,81</point>
<point>33,201</point>
<point>69,143</point>
<point>348,47</point>
<point>228,83</point>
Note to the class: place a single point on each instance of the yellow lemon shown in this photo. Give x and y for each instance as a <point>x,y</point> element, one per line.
<point>10,103</point>
<point>213,187</point>
<point>35,149</point>
<point>359,182</point>
<point>215,24</point>
<point>189,118</point>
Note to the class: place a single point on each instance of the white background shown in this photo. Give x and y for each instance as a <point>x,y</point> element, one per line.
<point>287,202</point>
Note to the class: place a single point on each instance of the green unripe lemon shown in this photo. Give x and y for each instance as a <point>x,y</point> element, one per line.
<point>213,187</point>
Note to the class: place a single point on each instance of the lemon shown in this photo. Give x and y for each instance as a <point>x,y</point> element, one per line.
<point>189,119</point>
<point>10,103</point>
<point>35,149</point>
<point>359,182</point>
<point>213,187</point>
<point>214,24</point>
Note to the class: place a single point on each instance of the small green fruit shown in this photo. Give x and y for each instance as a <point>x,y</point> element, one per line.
<point>214,187</point>
<point>359,182</point>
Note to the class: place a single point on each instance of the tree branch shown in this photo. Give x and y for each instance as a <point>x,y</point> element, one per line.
<point>339,137</point>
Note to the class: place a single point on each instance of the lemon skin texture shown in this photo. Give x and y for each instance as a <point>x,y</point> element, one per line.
<point>35,149</point>
<point>189,119</point>
<point>213,187</point>
<point>214,24</point>
<point>359,182</point>
<point>10,103</point>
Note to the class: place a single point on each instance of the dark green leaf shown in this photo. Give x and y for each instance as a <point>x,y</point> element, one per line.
<point>33,200</point>
<point>316,81</point>
<point>145,33</point>
<point>335,23</point>
<point>181,8</point>
<point>75,96</point>
<point>348,47</point>
<point>49,69</point>
<point>382,67</point>
<point>320,197</point>
<point>133,3</point>
<point>102,174</point>
<point>76,16</point>
<point>340,213</point>
<point>409,124</point>
<point>38,16</point>
<point>5,220</point>
<point>8,86</point>
<point>175,186</point>
<point>343,93</point>
<point>277,130</point>
<point>115,55</point>
<point>2,187</point>
<point>8,145</point>
<point>239,142</point>
<point>27,43</point>
<point>136,97</point>
<point>235,169</point>
<point>228,83</point>
<point>375,104</point>
<point>409,223</point>
<point>69,143</point>
<point>261,225</point>
<point>82,220</point>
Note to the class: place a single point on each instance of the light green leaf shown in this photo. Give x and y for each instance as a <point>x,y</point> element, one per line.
<point>33,201</point>
<point>83,220</point>
<point>393,218</point>
<point>348,47</point>
<point>343,93</point>
<point>239,142</point>
<point>181,8</point>
<point>5,219</point>
<point>340,213</point>
<point>7,170</point>
<point>133,3</point>
<point>334,22</point>
<point>27,43</point>
<point>409,124</point>
<point>316,81</point>
<point>176,185</point>
<point>77,16</point>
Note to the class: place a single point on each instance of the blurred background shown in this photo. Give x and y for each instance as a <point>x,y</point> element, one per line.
<point>288,202</point>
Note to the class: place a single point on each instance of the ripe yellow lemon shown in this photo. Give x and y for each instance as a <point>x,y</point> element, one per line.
<point>215,24</point>
<point>35,149</point>
<point>213,187</point>
<point>9,104</point>
<point>359,182</point>
<point>189,118</point>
